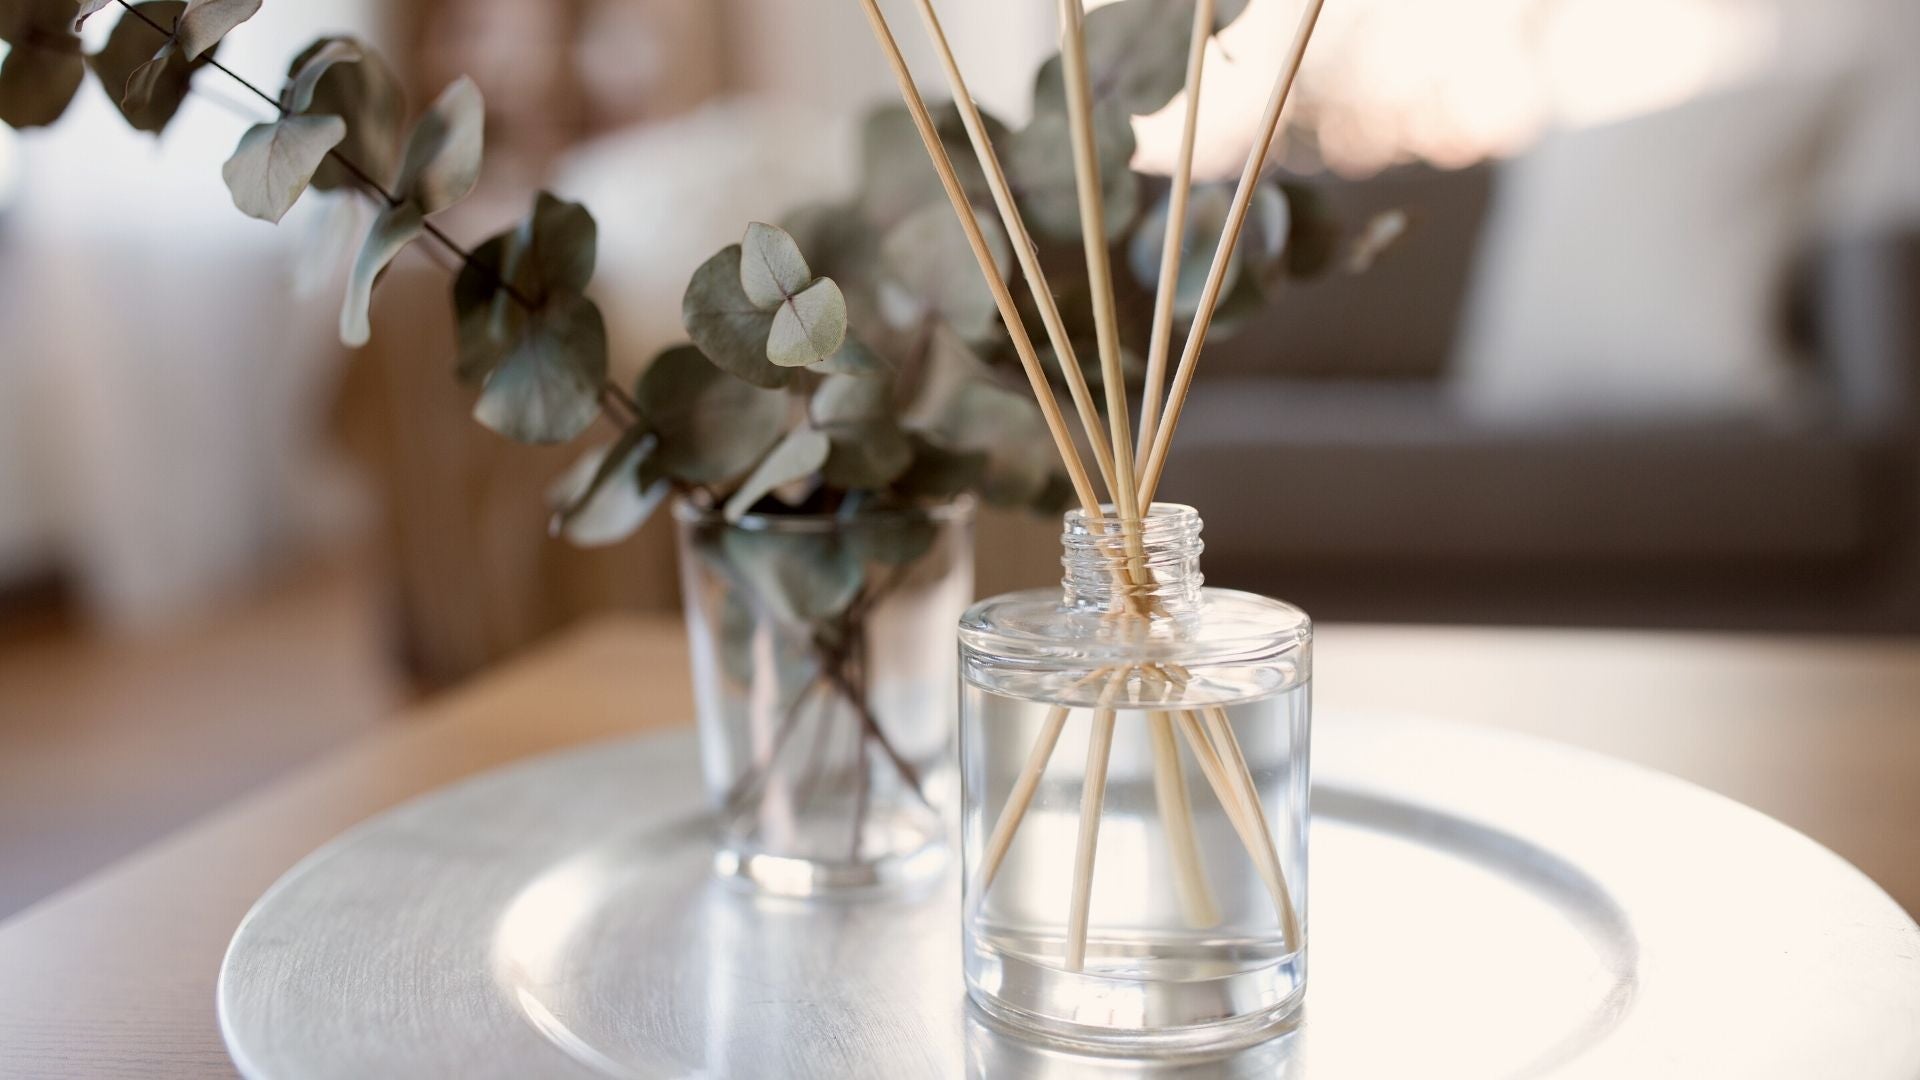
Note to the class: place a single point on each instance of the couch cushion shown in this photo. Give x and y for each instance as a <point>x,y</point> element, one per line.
<point>1389,472</point>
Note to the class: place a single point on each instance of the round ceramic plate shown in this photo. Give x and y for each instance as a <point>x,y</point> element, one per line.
<point>1482,906</point>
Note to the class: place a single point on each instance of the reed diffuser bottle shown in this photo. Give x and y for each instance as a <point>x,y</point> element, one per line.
<point>1134,756</point>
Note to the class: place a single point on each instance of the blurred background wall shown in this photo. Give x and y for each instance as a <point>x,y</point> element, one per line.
<point>1645,358</point>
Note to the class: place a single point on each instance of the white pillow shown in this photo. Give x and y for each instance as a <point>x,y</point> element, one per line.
<point>1634,271</point>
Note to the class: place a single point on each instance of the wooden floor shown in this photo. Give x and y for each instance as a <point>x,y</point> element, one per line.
<point>107,745</point>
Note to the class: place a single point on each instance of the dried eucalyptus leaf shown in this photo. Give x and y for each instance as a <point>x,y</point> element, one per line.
<point>798,578</point>
<point>38,81</point>
<point>1206,218</point>
<point>772,269</point>
<point>144,71</point>
<point>1136,58</point>
<point>853,358</point>
<point>1042,171</point>
<point>547,387</point>
<point>442,160</point>
<point>599,501</point>
<point>366,94</point>
<point>809,327</point>
<point>88,9</point>
<point>274,163</point>
<point>712,426</point>
<point>726,325</point>
<point>897,177</point>
<point>929,257</point>
<point>392,230</point>
<point>797,456</point>
<point>313,66</point>
<point>205,22</point>
<point>550,253</point>
<point>842,399</point>
<point>938,472</point>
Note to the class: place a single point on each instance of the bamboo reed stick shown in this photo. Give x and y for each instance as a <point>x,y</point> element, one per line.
<point>1234,769</point>
<point>1238,815</point>
<point>1093,793</point>
<point>1093,237</point>
<point>1176,817</point>
<point>1024,249</point>
<point>1156,462</point>
<point>996,282</point>
<point>1178,200</point>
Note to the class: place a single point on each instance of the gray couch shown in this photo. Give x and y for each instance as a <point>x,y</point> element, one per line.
<point>1358,491</point>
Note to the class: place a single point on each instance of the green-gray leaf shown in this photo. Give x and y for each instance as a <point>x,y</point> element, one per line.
<point>1206,218</point>
<point>809,327</point>
<point>1042,172</point>
<point>364,93</point>
<point>1136,58</point>
<point>798,578</point>
<point>88,9</point>
<point>313,66</point>
<point>866,455</point>
<point>144,72</point>
<point>205,22</point>
<point>599,501</point>
<point>274,163</point>
<point>38,81</point>
<point>547,388</point>
<point>771,267</point>
<point>929,257</point>
<point>712,426</point>
<point>797,456</point>
<point>726,325</point>
<point>442,160</point>
<point>392,230</point>
<point>550,253</point>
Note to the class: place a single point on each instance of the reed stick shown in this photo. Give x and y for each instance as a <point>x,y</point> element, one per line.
<point>1024,249</point>
<point>1258,845</point>
<point>1093,237</point>
<point>1178,200</point>
<point>996,282</point>
<point>1093,793</point>
<point>1176,817</point>
<point>1269,130</point>
<point>1234,768</point>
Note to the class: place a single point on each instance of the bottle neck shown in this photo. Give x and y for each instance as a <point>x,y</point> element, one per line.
<point>1151,567</point>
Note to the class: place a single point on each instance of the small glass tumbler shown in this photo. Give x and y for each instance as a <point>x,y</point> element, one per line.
<point>1134,765</point>
<point>823,670</point>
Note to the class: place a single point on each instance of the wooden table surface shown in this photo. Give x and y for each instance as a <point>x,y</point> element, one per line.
<point>115,976</point>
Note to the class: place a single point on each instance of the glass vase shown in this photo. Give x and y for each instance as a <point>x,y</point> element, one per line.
<point>823,673</point>
<point>1134,763</point>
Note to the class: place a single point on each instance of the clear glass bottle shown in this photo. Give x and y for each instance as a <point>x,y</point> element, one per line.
<point>1134,762</point>
<point>823,672</point>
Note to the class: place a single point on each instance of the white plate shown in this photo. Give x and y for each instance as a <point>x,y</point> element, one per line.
<point>1482,906</point>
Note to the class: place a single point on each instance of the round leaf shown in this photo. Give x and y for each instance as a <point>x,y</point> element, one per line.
<point>726,325</point>
<point>772,269</point>
<point>442,160</point>
<point>1042,172</point>
<point>798,456</point>
<point>547,388</point>
<point>392,230</point>
<point>205,22</point>
<point>809,327</point>
<point>38,81</point>
<point>1136,58</point>
<point>145,73</point>
<point>274,163</point>
<point>599,501</point>
<point>928,256</point>
<point>712,426</point>
<point>798,578</point>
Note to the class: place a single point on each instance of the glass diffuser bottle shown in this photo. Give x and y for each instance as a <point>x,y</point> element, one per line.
<point>1134,762</point>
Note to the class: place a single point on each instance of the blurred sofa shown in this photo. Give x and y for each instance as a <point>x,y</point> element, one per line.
<point>1339,468</point>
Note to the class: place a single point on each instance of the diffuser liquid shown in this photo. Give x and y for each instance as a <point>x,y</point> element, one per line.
<point>1185,928</point>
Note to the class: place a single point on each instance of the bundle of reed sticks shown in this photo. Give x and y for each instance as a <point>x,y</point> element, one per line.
<point>1130,470</point>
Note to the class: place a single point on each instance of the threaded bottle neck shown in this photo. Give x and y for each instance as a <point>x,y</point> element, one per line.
<point>1152,567</point>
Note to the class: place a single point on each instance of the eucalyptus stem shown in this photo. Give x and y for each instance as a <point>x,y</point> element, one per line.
<point>610,391</point>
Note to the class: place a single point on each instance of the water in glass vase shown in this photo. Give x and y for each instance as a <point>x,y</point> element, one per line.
<point>1135,805</point>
